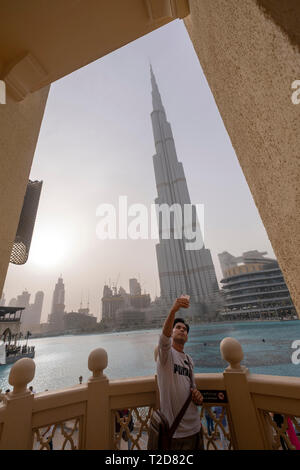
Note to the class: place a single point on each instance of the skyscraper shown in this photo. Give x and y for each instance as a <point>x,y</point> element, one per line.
<point>37,307</point>
<point>32,314</point>
<point>23,299</point>
<point>181,271</point>
<point>56,318</point>
<point>134,287</point>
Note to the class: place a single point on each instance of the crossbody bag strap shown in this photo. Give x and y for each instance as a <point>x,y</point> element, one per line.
<point>184,408</point>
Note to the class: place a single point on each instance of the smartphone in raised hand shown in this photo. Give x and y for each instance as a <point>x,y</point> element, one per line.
<point>185,296</point>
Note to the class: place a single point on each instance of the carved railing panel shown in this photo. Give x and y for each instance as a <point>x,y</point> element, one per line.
<point>216,427</point>
<point>63,435</point>
<point>283,429</point>
<point>131,428</point>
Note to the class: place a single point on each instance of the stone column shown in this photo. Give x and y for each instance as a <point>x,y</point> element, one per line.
<point>247,434</point>
<point>98,410</point>
<point>17,429</point>
<point>19,129</point>
<point>249,52</point>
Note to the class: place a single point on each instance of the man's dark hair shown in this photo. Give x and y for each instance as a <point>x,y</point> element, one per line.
<point>180,320</point>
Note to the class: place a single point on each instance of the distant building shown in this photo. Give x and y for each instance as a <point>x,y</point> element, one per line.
<point>23,299</point>
<point>156,314</point>
<point>84,311</point>
<point>140,301</point>
<point>127,318</point>
<point>255,289</point>
<point>120,309</point>
<point>31,316</point>
<point>38,306</point>
<point>228,261</point>
<point>134,287</point>
<point>81,321</point>
<point>111,302</point>
<point>136,298</point>
<point>56,318</point>
<point>13,302</point>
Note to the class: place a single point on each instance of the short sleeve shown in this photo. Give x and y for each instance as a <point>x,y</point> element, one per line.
<point>164,348</point>
<point>192,367</point>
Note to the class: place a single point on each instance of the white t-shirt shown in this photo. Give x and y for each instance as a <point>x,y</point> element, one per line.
<point>174,388</point>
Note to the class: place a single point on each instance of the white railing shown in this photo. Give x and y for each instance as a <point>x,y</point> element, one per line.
<point>257,412</point>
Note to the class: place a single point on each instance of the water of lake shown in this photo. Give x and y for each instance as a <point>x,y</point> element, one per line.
<point>61,360</point>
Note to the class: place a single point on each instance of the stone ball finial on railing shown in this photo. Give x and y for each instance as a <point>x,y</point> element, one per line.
<point>97,363</point>
<point>21,374</point>
<point>232,352</point>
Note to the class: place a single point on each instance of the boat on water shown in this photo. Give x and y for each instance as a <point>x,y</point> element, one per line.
<point>10,354</point>
<point>12,345</point>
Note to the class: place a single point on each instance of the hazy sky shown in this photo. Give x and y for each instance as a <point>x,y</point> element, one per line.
<point>96,143</point>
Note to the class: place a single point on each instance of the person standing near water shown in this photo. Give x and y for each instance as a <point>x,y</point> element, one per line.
<point>174,368</point>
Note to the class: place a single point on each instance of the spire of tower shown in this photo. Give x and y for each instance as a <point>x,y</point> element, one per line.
<point>156,98</point>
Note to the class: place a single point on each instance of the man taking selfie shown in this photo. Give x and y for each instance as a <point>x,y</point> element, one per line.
<point>176,381</point>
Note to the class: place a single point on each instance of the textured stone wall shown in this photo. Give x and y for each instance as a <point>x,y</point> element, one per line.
<point>250,56</point>
<point>19,130</point>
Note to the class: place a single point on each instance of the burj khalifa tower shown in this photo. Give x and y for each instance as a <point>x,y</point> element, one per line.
<point>181,271</point>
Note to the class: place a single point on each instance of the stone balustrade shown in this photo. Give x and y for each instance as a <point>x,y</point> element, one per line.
<point>240,405</point>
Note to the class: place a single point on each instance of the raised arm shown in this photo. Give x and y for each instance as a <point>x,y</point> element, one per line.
<point>181,302</point>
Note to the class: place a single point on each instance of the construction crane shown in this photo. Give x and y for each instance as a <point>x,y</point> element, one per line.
<point>115,285</point>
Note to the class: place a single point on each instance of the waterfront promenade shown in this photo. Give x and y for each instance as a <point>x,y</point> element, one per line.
<point>84,416</point>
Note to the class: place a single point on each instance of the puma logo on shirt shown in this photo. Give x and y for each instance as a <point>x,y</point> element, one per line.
<point>181,370</point>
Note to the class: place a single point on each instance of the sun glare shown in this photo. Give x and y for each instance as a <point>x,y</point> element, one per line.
<point>48,249</point>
